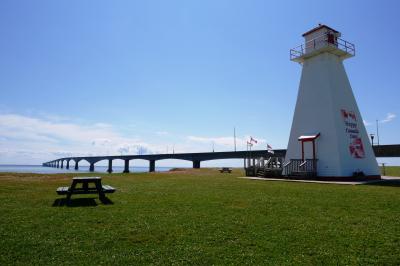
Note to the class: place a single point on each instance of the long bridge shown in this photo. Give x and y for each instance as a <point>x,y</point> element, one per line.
<point>196,158</point>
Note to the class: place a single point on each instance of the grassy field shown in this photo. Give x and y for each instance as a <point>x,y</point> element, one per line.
<point>391,170</point>
<point>198,217</point>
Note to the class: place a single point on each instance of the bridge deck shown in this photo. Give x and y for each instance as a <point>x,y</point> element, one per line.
<point>196,158</point>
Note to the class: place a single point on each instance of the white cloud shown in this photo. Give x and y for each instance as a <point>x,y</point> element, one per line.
<point>33,140</point>
<point>45,139</point>
<point>51,117</point>
<point>22,127</point>
<point>101,142</point>
<point>389,117</point>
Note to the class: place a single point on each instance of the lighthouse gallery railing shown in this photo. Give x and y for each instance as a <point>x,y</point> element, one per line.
<point>322,41</point>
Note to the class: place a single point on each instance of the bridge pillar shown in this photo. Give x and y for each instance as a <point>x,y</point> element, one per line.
<point>126,166</point>
<point>152,165</point>
<point>196,164</point>
<point>62,164</point>
<point>109,170</point>
<point>67,166</point>
<point>76,165</point>
<point>58,164</point>
<point>91,167</point>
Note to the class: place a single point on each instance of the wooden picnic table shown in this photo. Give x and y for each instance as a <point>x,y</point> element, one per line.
<point>225,170</point>
<point>98,188</point>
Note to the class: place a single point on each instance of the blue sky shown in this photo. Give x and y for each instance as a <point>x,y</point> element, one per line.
<point>110,77</point>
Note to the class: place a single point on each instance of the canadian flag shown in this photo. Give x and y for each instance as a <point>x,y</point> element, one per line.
<point>269,149</point>
<point>252,140</point>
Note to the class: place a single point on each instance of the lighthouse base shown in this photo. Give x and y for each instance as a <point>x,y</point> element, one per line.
<point>336,178</point>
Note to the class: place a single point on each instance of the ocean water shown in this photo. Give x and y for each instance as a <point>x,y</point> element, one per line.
<point>38,169</point>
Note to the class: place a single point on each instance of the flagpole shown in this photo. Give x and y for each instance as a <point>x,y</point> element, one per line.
<point>377,131</point>
<point>252,160</point>
<point>247,146</point>
<point>248,154</point>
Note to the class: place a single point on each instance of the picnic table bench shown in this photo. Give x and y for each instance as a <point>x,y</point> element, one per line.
<point>98,188</point>
<point>225,170</point>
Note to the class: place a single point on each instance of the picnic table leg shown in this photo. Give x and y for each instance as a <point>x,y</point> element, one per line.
<point>99,187</point>
<point>71,190</point>
<point>85,186</point>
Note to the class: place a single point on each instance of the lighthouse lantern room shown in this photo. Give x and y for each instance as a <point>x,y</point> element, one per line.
<point>319,40</point>
<point>327,137</point>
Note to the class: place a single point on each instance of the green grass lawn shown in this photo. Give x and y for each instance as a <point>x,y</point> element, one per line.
<point>198,217</point>
<point>391,171</point>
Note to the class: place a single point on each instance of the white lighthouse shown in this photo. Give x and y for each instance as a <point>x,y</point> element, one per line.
<point>328,137</point>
